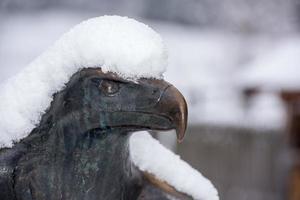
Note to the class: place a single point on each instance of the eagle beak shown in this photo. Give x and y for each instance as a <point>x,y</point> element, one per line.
<point>173,105</point>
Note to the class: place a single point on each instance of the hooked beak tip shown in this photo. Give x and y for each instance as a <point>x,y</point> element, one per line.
<point>177,107</point>
<point>181,124</point>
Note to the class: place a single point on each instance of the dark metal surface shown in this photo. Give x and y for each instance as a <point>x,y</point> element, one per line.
<point>79,150</point>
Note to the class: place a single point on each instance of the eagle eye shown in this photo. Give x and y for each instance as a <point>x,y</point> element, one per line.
<point>109,88</point>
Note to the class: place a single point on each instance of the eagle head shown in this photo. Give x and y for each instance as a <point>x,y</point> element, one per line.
<point>106,101</point>
<point>80,150</point>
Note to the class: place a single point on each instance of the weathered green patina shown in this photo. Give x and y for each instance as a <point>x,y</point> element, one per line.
<point>79,151</point>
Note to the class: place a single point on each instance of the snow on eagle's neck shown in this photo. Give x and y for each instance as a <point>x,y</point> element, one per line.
<point>116,44</point>
<point>150,156</point>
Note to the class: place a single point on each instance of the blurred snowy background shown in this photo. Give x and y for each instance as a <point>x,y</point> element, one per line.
<point>231,59</point>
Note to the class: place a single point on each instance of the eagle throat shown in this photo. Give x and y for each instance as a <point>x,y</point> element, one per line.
<point>71,164</point>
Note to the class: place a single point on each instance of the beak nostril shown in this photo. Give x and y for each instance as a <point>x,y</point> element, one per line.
<point>154,91</point>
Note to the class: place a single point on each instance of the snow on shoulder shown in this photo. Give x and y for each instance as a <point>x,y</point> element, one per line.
<point>117,44</point>
<point>150,156</point>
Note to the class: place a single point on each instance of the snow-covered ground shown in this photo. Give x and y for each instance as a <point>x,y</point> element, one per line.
<point>206,65</point>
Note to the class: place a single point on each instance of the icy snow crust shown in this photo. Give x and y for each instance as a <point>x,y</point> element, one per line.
<point>149,155</point>
<point>117,44</point>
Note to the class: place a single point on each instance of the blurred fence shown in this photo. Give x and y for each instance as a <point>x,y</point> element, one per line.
<point>244,164</point>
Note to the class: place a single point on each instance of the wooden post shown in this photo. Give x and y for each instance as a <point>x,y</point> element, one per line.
<point>292,102</point>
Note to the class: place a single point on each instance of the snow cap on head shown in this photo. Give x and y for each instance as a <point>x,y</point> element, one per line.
<point>116,44</point>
